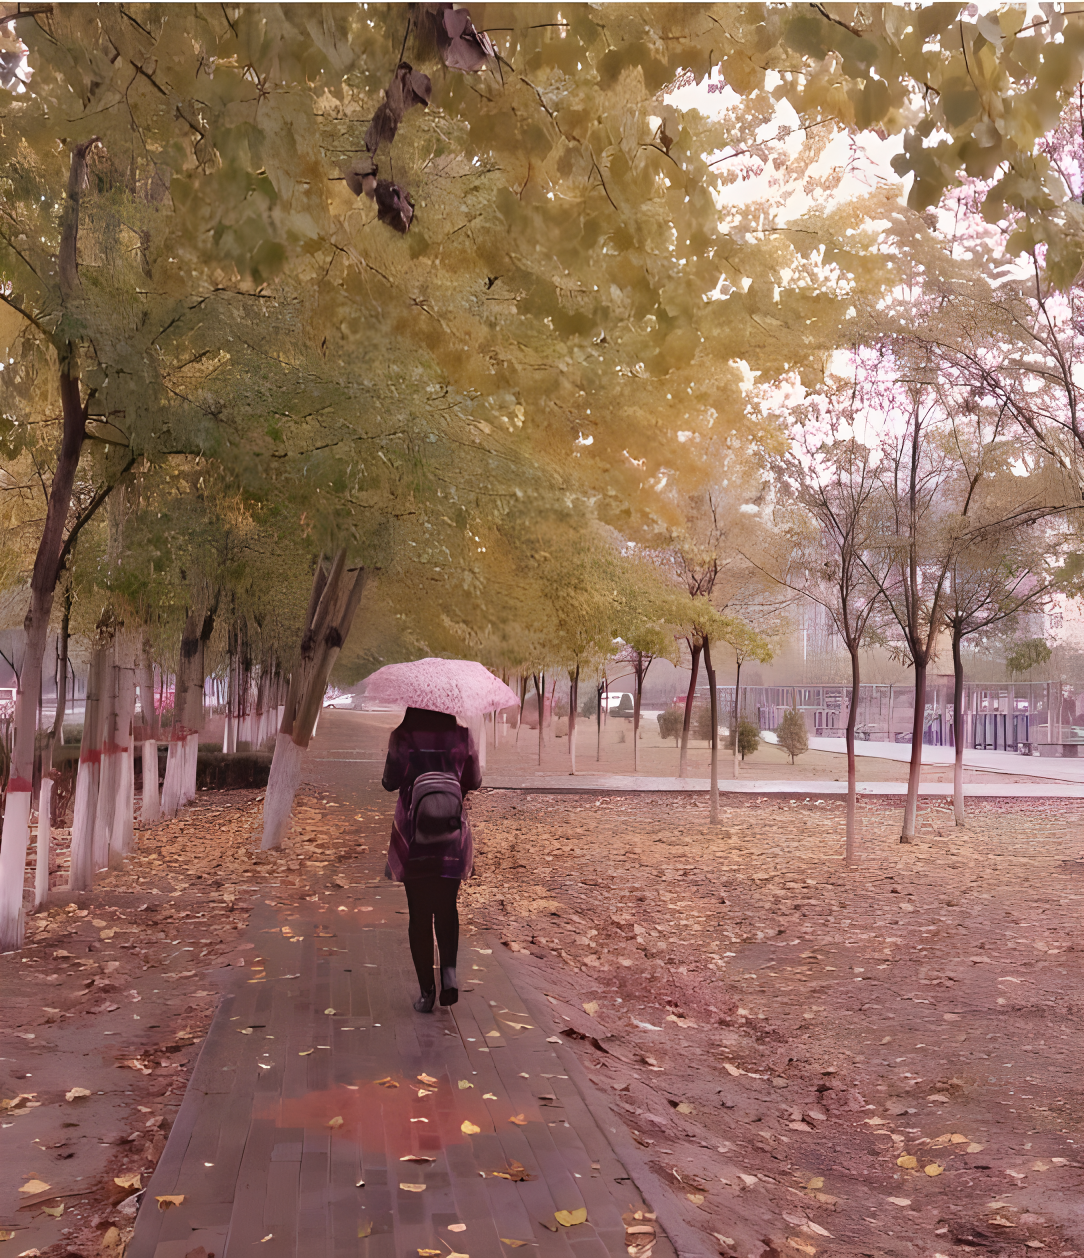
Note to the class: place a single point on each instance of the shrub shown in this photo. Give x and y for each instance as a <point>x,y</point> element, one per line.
<point>748,738</point>
<point>589,706</point>
<point>701,721</point>
<point>671,722</point>
<point>792,733</point>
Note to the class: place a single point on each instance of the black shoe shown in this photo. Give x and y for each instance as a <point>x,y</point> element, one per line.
<point>424,1003</point>
<point>449,986</point>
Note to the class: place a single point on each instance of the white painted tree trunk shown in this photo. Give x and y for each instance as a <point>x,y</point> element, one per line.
<point>174,780</point>
<point>41,869</point>
<point>81,872</point>
<point>122,839</point>
<point>150,809</point>
<point>191,752</point>
<point>13,847</point>
<point>282,786</point>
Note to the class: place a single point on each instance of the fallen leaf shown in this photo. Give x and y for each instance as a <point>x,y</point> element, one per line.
<point>591,1007</point>
<point>815,1182</point>
<point>900,1201</point>
<point>7,1236</point>
<point>817,1230</point>
<point>685,1108</point>
<point>33,1186</point>
<point>416,1157</point>
<point>164,1203</point>
<point>933,1169</point>
<point>387,1082</point>
<point>803,1247</point>
<point>519,1120</point>
<point>465,1083</point>
<point>553,1039</point>
<point>335,1123</point>
<point>908,1162</point>
<point>329,1011</point>
<point>427,1079</point>
<point>457,1227</point>
<point>956,1138</point>
<point>507,1240</point>
<point>998,1221</point>
<point>305,1052</point>
<point>429,1253</point>
<point>135,1180</point>
<point>54,1212</point>
<point>365,1228</point>
<point>974,1148</point>
<point>697,1198</point>
<point>731,1070</point>
<point>468,1128</point>
<point>569,1218</point>
<point>515,1171</point>
<point>413,1187</point>
<point>74,1094</point>
<point>489,1096</point>
<point>265,1239</point>
<point>749,1180</point>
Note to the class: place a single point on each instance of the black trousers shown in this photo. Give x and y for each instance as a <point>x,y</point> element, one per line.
<point>432,903</point>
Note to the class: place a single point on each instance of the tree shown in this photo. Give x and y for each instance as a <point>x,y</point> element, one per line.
<point>792,734</point>
<point>837,560</point>
<point>1027,655</point>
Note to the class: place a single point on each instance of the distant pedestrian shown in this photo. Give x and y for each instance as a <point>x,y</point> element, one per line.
<point>432,762</point>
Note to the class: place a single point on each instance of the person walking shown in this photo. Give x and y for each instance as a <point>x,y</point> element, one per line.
<point>433,763</point>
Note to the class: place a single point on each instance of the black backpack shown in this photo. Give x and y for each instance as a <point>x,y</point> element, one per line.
<point>436,813</point>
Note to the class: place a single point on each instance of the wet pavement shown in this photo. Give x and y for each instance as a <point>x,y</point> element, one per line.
<point>326,1117</point>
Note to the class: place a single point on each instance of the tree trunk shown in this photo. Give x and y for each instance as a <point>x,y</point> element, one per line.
<point>41,867</point>
<point>600,690</point>
<point>914,774</point>
<point>852,783</point>
<point>958,727</point>
<point>686,723</point>
<point>573,703</point>
<point>16,830</point>
<point>149,810</point>
<point>737,712</point>
<point>174,784</point>
<point>332,604</point>
<point>540,692</point>
<point>122,833</point>
<point>714,701</point>
<point>112,753</point>
<point>229,732</point>
<point>81,873</point>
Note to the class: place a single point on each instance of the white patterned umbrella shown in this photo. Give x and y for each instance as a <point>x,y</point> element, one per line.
<point>458,687</point>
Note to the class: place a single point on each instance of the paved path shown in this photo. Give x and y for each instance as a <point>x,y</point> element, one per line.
<point>317,1083</point>
<point>796,787</point>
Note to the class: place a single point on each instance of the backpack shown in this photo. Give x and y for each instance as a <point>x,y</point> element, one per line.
<point>436,813</point>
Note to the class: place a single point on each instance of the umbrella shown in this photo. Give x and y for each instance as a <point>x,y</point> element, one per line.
<point>458,687</point>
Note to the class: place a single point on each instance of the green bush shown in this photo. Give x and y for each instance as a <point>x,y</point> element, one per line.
<point>589,706</point>
<point>671,722</point>
<point>792,733</point>
<point>701,722</point>
<point>748,738</point>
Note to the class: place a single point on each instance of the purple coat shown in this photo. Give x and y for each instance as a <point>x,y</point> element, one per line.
<point>424,742</point>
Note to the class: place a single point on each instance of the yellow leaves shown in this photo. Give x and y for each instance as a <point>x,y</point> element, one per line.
<point>974,1148</point>
<point>802,1246</point>
<point>731,1070</point>
<point>412,1187</point>
<point>815,1183</point>
<point>468,1128</point>
<point>429,1253</point>
<point>53,1211</point>
<point>908,1162</point>
<point>590,1007</point>
<point>684,1108</point>
<point>507,1240</point>
<point>489,1096</point>
<point>457,1227</point>
<point>365,1229</point>
<point>423,1078</point>
<point>934,1169</point>
<point>74,1094</point>
<point>330,1011</point>
<point>464,1084</point>
<point>7,1236</point>
<point>386,1082</point>
<point>135,1180</point>
<point>169,1200</point>
<point>306,1052</point>
<point>33,1186</point>
<point>335,1123</point>
<point>416,1157</point>
<point>697,1198</point>
<point>899,1201</point>
<point>570,1218</point>
<point>519,1120</point>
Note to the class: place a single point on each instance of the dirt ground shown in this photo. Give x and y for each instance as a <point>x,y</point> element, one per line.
<point>659,758</point>
<point>106,1007</point>
<point>823,1060</point>
<point>782,1035</point>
